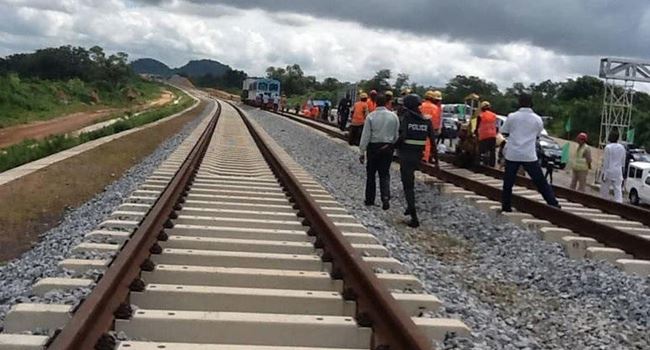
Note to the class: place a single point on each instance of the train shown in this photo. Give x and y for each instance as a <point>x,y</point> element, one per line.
<point>261,92</point>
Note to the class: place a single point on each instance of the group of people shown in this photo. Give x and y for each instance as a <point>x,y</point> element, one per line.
<point>380,125</point>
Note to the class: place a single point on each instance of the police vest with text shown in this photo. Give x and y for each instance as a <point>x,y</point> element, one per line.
<point>417,130</point>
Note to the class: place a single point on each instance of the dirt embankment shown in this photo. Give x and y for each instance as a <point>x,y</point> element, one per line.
<point>68,123</point>
<point>36,202</point>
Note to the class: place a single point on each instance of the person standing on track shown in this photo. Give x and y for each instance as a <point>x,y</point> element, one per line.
<point>359,113</point>
<point>414,130</point>
<point>486,131</point>
<point>613,168</point>
<point>380,132</point>
<point>343,111</point>
<point>581,163</point>
<point>522,129</point>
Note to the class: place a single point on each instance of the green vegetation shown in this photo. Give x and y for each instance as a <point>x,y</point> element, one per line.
<point>579,99</point>
<point>55,81</point>
<point>30,150</point>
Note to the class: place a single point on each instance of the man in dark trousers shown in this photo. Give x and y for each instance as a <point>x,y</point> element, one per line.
<point>380,132</point>
<point>414,130</point>
<point>343,111</point>
<point>522,128</point>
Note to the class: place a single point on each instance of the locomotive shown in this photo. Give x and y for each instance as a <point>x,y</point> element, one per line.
<point>261,92</point>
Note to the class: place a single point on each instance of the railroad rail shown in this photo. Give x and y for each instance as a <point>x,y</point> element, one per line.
<point>231,245</point>
<point>620,226</point>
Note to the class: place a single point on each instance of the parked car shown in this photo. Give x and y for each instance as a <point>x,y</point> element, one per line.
<point>551,151</point>
<point>637,184</point>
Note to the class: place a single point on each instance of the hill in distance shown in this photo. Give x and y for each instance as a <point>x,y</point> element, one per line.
<point>194,68</point>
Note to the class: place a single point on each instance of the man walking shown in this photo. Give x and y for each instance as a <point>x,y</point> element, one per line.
<point>613,163</point>
<point>414,130</point>
<point>380,132</point>
<point>343,111</point>
<point>522,129</point>
<point>581,163</point>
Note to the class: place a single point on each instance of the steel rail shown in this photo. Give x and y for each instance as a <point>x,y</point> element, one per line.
<point>376,307</point>
<point>630,243</point>
<point>626,211</point>
<point>95,315</point>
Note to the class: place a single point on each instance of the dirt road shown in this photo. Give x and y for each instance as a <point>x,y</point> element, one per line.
<point>71,122</point>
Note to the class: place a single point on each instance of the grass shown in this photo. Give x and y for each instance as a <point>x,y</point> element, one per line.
<point>31,150</point>
<point>37,202</point>
<point>27,100</point>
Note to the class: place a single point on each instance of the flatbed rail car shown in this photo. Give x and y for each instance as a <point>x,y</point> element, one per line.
<point>261,92</point>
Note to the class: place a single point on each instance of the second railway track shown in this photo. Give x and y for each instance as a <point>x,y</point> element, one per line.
<point>236,247</point>
<point>587,226</point>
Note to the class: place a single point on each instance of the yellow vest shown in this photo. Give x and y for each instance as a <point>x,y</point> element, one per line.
<point>580,163</point>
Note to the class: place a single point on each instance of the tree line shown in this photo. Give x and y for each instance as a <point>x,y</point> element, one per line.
<point>579,99</point>
<point>67,62</point>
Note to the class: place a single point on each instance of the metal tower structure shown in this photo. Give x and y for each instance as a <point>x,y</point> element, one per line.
<point>620,76</point>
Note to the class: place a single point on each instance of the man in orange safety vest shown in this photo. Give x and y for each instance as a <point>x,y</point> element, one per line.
<point>430,109</point>
<point>486,130</point>
<point>359,113</point>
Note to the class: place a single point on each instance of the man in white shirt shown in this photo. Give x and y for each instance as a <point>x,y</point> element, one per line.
<point>380,132</point>
<point>613,164</point>
<point>522,129</point>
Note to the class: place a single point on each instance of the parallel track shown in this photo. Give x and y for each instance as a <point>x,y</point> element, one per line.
<point>616,225</point>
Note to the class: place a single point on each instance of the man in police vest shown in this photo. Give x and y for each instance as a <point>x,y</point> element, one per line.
<point>359,113</point>
<point>486,130</point>
<point>414,130</point>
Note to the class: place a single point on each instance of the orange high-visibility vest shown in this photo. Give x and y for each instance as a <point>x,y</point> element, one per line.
<point>314,112</point>
<point>359,113</point>
<point>488,127</point>
<point>372,105</point>
<point>430,111</point>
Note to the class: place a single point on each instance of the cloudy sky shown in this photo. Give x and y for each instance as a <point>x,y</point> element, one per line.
<point>431,40</point>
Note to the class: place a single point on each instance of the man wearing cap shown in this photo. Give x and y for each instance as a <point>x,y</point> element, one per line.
<point>581,163</point>
<point>486,130</point>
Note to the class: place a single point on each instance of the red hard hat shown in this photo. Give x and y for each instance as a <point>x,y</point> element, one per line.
<point>373,92</point>
<point>582,136</point>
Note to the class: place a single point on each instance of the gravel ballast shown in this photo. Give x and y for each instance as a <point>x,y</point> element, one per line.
<point>512,289</point>
<point>18,275</point>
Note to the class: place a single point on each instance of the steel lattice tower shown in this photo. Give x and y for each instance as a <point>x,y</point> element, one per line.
<point>620,76</point>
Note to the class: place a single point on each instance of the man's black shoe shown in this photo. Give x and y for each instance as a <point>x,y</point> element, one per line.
<point>385,205</point>
<point>368,204</point>
<point>413,223</point>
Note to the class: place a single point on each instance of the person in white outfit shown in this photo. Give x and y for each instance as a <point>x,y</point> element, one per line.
<point>613,164</point>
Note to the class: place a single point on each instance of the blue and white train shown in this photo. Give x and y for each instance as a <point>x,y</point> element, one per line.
<point>261,92</point>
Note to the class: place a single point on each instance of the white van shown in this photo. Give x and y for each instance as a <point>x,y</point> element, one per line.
<point>637,184</point>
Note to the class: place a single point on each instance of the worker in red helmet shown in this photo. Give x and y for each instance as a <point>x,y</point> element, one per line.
<point>580,163</point>
<point>372,101</point>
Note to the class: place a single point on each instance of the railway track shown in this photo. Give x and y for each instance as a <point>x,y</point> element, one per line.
<point>231,245</point>
<point>587,226</point>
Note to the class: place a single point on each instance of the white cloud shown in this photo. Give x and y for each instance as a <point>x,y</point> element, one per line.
<point>252,40</point>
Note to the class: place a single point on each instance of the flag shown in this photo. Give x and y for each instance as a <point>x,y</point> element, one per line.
<point>630,136</point>
<point>567,125</point>
<point>565,153</point>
